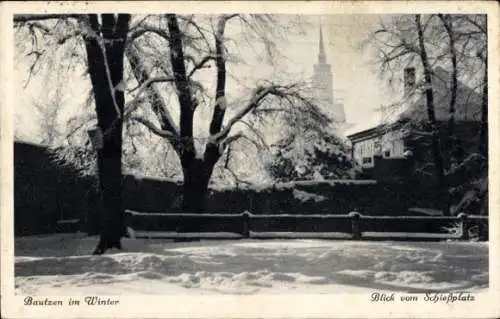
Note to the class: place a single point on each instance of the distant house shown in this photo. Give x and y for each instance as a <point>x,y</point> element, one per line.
<point>402,143</point>
<point>387,141</point>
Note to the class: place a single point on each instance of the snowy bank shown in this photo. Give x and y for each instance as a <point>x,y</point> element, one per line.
<point>61,265</point>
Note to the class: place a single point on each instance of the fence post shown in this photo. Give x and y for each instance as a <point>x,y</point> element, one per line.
<point>355,227</point>
<point>464,226</point>
<point>246,224</point>
<point>481,230</point>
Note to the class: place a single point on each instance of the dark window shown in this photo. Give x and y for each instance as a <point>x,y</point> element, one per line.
<point>387,153</point>
<point>367,160</point>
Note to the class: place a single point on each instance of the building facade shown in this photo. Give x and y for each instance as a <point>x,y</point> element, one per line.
<point>405,137</point>
<point>382,140</point>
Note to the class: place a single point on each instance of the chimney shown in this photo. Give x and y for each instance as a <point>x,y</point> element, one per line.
<point>409,81</point>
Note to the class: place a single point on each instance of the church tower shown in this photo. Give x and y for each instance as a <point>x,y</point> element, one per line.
<point>323,84</point>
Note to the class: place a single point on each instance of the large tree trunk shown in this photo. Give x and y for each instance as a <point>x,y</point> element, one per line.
<point>483,132</point>
<point>197,171</point>
<point>454,144</point>
<point>196,178</point>
<point>435,143</point>
<point>109,104</point>
<point>483,147</point>
<point>197,174</point>
<point>195,190</point>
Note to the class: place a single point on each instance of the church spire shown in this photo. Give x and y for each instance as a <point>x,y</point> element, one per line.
<point>323,83</point>
<point>321,55</point>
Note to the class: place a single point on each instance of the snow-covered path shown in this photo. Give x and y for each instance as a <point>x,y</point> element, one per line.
<point>60,265</point>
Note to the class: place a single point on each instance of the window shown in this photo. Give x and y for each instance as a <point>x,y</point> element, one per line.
<point>387,153</point>
<point>398,147</point>
<point>377,147</point>
<point>367,160</point>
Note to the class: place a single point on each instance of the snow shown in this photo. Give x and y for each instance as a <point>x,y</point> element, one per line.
<point>222,102</point>
<point>263,187</point>
<point>426,211</point>
<point>172,234</point>
<point>332,182</point>
<point>305,196</point>
<point>143,214</point>
<point>409,235</point>
<point>61,265</point>
<point>146,214</point>
<point>315,235</point>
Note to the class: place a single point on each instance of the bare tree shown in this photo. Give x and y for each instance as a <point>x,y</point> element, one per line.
<point>429,94</point>
<point>105,42</point>
<point>476,38</point>
<point>188,53</point>
<point>467,52</point>
<point>435,43</point>
<point>402,42</point>
<point>48,119</point>
<point>166,54</point>
<point>447,22</point>
<point>471,35</point>
<point>106,73</point>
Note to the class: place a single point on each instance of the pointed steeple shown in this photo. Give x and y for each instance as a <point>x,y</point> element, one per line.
<point>323,83</point>
<point>321,55</point>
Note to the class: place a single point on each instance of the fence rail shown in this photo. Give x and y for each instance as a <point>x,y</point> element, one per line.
<point>351,226</point>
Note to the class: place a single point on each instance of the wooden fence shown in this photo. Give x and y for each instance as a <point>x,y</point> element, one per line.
<point>351,226</point>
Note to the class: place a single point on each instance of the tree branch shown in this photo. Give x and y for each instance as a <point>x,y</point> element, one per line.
<point>220,91</point>
<point>92,31</point>
<point>230,170</point>
<point>38,25</point>
<point>198,28</point>
<point>157,102</point>
<point>239,136</point>
<point>132,104</point>
<point>153,128</point>
<point>448,25</point>
<point>108,76</point>
<point>40,17</point>
<point>480,27</point>
<point>143,29</point>
<point>257,133</point>
<point>180,77</point>
<point>260,93</point>
<point>92,117</point>
<point>201,64</point>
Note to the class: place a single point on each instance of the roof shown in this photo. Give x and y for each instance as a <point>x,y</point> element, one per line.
<point>368,123</point>
<point>468,101</point>
<point>375,131</point>
<point>467,108</point>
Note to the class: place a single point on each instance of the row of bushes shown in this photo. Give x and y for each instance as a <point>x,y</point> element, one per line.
<point>319,197</point>
<point>45,193</point>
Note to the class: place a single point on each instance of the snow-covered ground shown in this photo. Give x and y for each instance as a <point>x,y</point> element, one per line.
<point>61,265</point>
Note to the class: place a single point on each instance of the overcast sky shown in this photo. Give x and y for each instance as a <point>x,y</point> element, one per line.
<point>353,75</point>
